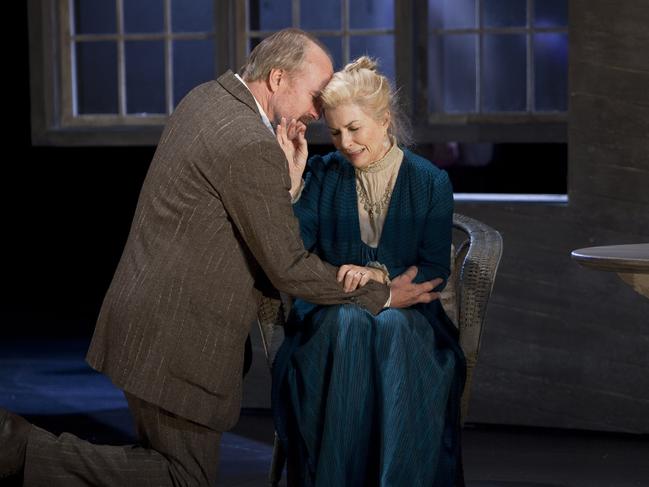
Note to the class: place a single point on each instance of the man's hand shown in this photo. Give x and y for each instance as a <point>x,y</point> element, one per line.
<point>290,138</point>
<point>405,293</point>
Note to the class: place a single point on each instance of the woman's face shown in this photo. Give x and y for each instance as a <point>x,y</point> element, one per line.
<point>360,138</point>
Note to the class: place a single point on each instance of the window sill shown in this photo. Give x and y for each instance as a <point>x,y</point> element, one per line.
<point>545,199</point>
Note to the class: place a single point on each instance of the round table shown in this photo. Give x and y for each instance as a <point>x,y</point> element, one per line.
<point>631,262</point>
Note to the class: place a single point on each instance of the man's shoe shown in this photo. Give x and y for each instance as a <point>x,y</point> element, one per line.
<point>14,431</point>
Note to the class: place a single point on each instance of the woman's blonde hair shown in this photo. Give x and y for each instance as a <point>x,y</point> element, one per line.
<point>361,84</point>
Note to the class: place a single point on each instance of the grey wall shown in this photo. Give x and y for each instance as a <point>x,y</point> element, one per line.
<point>565,346</point>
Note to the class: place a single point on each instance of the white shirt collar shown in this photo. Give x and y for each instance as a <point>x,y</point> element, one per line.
<point>264,117</point>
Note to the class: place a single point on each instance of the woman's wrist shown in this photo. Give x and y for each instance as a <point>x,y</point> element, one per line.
<point>380,270</point>
<point>296,190</point>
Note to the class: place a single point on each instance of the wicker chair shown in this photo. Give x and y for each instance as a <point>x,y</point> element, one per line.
<point>473,271</point>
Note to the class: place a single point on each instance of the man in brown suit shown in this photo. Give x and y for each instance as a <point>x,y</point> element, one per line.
<point>213,227</point>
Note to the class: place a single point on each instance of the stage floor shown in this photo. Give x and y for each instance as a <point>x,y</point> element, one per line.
<point>49,382</point>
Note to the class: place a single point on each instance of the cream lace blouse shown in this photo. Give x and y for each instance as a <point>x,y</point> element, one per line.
<point>374,186</point>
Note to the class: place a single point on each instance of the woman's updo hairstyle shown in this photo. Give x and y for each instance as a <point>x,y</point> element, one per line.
<point>360,83</point>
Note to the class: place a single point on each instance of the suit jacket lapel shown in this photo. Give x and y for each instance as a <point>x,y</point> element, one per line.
<point>237,89</point>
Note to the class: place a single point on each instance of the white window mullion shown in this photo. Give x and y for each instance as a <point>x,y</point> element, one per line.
<point>121,59</point>
<point>296,13</point>
<point>530,57</point>
<point>478,57</point>
<point>168,53</point>
<point>344,17</point>
<point>70,44</point>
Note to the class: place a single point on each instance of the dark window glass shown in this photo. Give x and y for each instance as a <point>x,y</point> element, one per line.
<point>193,65</point>
<point>270,15</point>
<point>145,77</point>
<point>95,17</point>
<point>551,13</point>
<point>381,47</point>
<point>325,15</point>
<point>505,13</point>
<point>504,73</point>
<point>371,14</point>
<point>334,44</point>
<point>551,71</point>
<point>192,15</point>
<point>452,14</point>
<point>143,16</point>
<point>452,73</point>
<point>96,69</point>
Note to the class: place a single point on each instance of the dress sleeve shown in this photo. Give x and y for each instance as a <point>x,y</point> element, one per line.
<point>433,254</point>
<point>306,208</point>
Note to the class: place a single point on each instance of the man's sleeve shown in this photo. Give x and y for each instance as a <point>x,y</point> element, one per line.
<point>255,192</point>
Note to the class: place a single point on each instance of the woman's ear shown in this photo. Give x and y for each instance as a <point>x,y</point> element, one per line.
<point>387,118</point>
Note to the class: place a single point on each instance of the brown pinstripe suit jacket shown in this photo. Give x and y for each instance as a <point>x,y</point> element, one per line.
<point>213,224</point>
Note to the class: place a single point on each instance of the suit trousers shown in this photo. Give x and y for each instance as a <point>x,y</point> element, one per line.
<point>171,451</point>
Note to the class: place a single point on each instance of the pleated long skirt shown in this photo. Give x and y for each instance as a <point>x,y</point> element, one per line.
<point>372,400</point>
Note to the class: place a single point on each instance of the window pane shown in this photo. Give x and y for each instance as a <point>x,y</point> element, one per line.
<point>325,16</point>
<point>96,77</point>
<point>452,73</point>
<point>371,14</point>
<point>504,73</point>
<point>451,14</point>
<point>95,17</point>
<point>334,44</point>
<point>551,71</point>
<point>381,47</point>
<point>143,16</point>
<point>192,15</point>
<point>269,15</point>
<point>505,13</point>
<point>551,13</point>
<point>193,65</point>
<point>145,77</point>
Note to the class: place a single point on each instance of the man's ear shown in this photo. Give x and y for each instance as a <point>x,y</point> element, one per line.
<point>275,78</point>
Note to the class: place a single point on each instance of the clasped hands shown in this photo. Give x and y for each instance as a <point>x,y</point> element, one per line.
<point>403,291</point>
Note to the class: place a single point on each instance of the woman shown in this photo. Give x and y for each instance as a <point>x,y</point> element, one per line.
<point>362,399</point>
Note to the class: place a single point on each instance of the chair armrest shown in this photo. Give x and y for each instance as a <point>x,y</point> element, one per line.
<point>480,256</point>
<point>477,274</point>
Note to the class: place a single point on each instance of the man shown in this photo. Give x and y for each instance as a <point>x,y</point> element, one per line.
<point>213,227</point>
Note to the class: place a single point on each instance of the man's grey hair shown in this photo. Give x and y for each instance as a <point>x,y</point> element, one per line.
<point>282,50</point>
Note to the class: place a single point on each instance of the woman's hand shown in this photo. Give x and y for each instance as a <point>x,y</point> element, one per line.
<point>290,138</point>
<point>355,276</point>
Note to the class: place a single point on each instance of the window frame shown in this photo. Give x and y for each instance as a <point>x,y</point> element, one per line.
<point>53,124</point>
<point>53,119</point>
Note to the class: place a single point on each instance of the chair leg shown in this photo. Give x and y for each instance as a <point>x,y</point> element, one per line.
<point>277,463</point>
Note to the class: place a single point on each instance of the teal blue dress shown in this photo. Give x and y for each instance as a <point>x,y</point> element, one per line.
<point>363,400</point>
